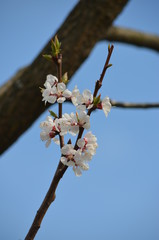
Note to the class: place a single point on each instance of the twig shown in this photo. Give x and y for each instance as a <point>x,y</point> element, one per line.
<point>134,105</point>
<point>49,198</point>
<point>106,66</point>
<point>96,89</point>
<point>59,74</point>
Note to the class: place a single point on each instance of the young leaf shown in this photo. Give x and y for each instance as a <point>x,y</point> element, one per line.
<point>109,65</point>
<point>52,114</point>
<point>96,100</point>
<point>47,57</point>
<point>65,78</point>
<point>55,46</point>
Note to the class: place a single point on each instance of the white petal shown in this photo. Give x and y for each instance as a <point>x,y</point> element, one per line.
<point>44,136</point>
<point>46,93</point>
<point>64,160</point>
<point>47,85</point>
<point>84,166</point>
<point>61,87</point>
<point>67,93</point>
<point>52,99</point>
<point>87,95</point>
<point>106,105</point>
<point>73,130</point>
<point>56,140</point>
<point>81,143</point>
<point>51,79</point>
<point>61,99</point>
<point>87,156</point>
<point>48,142</point>
<point>77,171</point>
<point>68,149</point>
<point>81,107</point>
<point>86,125</point>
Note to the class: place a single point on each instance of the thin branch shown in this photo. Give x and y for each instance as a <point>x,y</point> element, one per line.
<point>49,198</point>
<point>96,89</point>
<point>59,74</point>
<point>106,66</point>
<point>129,36</point>
<point>134,105</point>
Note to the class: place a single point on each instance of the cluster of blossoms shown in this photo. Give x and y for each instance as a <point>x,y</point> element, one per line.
<point>77,157</point>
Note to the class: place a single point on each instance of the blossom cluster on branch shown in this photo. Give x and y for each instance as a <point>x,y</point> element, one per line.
<point>56,126</point>
<point>56,91</point>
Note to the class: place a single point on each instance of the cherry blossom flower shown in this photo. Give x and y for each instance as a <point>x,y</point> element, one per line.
<point>73,158</point>
<point>105,105</point>
<point>50,80</point>
<point>88,145</point>
<point>55,91</point>
<point>85,100</point>
<point>71,122</point>
<point>49,131</point>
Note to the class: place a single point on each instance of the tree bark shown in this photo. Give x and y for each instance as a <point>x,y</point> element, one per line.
<point>20,97</point>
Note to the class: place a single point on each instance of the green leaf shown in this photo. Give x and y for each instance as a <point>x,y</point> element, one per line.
<point>47,57</point>
<point>109,65</point>
<point>53,114</point>
<point>96,100</point>
<point>65,78</point>
<point>55,46</point>
<point>57,43</point>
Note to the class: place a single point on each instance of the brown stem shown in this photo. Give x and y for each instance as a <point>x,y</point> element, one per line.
<point>97,87</point>
<point>106,66</point>
<point>59,74</point>
<point>49,198</point>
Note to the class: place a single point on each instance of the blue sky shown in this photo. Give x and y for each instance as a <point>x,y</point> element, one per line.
<point>118,197</point>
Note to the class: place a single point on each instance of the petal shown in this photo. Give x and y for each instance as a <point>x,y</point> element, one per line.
<point>52,99</point>
<point>61,87</point>
<point>87,95</point>
<point>44,136</point>
<point>61,99</point>
<point>46,93</point>
<point>81,107</point>
<point>77,171</point>
<point>67,93</point>
<point>64,160</point>
<point>48,142</point>
<point>68,149</point>
<point>73,130</point>
<point>84,166</point>
<point>81,143</point>
<point>86,125</point>
<point>51,79</point>
<point>47,85</point>
<point>56,140</point>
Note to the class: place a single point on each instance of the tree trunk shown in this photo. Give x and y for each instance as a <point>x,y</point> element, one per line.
<point>20,97</point>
